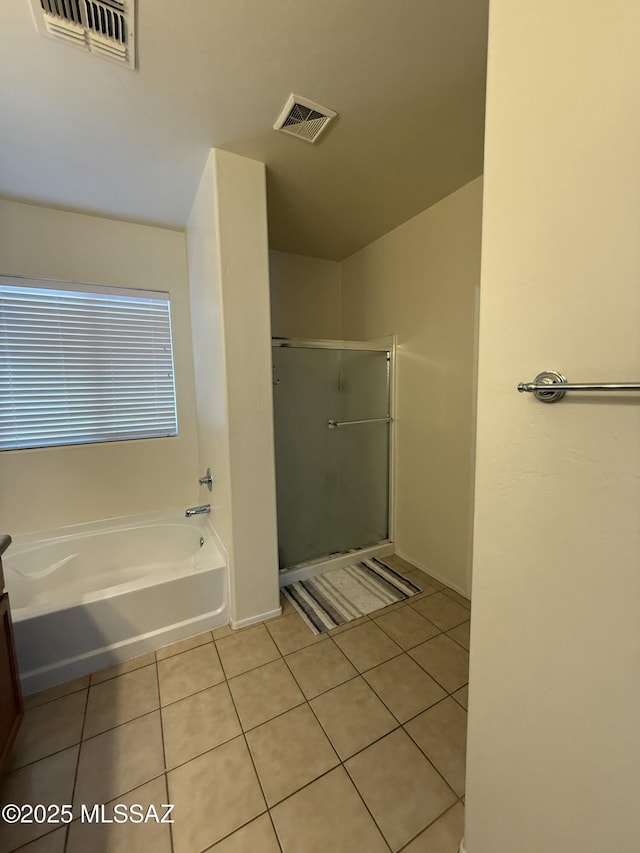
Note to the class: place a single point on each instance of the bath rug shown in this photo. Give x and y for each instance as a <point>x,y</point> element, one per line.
<point>341,595</point>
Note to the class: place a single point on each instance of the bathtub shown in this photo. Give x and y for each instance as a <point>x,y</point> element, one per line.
<point>90,595</point>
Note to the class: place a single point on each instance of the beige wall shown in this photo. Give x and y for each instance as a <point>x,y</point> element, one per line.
<point>305,297</point>
<point>49,487</point>
<point>554,740</point>
<point>419,282</point>
<point>229,270</point>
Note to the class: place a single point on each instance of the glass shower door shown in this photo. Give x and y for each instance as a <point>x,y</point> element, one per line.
<point>361,447</point>
<point>331,418</point>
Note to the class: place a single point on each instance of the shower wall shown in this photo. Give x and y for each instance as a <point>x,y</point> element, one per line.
<point>420,282</point>
<point>306,297</point>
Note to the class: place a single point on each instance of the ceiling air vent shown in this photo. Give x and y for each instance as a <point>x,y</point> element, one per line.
<point>103,27</point>
<point>303,118</point>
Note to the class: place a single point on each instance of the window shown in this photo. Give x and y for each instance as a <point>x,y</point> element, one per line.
<point>81,364</point>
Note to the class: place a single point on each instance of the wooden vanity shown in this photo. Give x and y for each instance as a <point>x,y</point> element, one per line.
<point>11,704</point>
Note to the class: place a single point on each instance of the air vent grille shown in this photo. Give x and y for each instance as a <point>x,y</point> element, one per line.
<point>303,118</point>
<point>103,27</point>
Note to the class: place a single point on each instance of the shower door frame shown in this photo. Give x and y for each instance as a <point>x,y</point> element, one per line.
<point>384,547</point>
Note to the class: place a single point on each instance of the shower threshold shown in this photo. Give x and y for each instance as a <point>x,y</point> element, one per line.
<point>334,561</point>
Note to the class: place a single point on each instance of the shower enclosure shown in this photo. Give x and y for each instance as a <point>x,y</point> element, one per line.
<point>332,420</point>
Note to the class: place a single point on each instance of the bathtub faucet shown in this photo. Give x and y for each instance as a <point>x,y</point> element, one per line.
<point>197,510</point>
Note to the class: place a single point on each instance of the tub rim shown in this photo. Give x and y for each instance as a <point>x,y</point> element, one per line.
<point>26,542</point>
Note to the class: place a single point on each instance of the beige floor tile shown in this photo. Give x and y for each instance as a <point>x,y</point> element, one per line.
<point>402,790</point>
<point>49,728</point>
<point>222,631</point>
<point>265,692</point>
<point>246,650</point>
<point>442,611</point>
<point>406,627</point>
<point>352,716</point>
<point>427,585</point>
<point>47,781</point>
<point>189,672</point>
<point>291,633</point>
<point>328,816</point>
<point>184,645</point>
<point>198,723</point>
<point>121,668</point>
<point>214,795</point>
<point>319,668</point>
<point>121,699</point>
<point>367,646</point>
<point>52,843</point>
<point>443,836</point>
<point>426,578</point>
<point>256,837</point>
<point>126,837</point>
<point>398,563</point>
<point>404,687</point>
<point>287,606</point>
<point>445,660</point>
<point>56,692</point>
<point>119,760</point>
<point>461,634</point>
<point>462,696</point>
<point>441,733</point>
<point>451,593</point>
<point>290,751</point>
<point>415,573</point>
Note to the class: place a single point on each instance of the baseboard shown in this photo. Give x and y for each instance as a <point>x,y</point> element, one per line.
<point>253,620</point>
<point>433,574</point>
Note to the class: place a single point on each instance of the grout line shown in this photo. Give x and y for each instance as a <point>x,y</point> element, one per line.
<point>120,674</point>
<point>283,656</point>
<point>55,698</point>
<point>75,777</point>
<point>454,639</point>
<point>409,735</point>
<point>435,820</point>
<point>162,660</point>
<point>341,762</point>
<point>164,751</point>
<point>115,799</point>
<point>27,844</point>
<point>255,769</point>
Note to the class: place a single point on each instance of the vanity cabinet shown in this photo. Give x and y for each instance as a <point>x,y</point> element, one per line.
<point>11,704</point>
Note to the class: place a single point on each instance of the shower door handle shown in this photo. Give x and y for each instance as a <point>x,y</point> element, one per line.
<point>338,424</point>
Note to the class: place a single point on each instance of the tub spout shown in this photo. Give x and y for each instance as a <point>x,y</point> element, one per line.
<point>197,510</point>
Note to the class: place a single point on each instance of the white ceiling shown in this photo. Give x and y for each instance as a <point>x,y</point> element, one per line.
<point>407,78</point>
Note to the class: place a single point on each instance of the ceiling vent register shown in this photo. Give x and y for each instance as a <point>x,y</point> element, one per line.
<point>304,118</point>
<point>103,27</point>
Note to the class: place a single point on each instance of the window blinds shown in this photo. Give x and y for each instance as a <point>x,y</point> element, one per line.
<point>83,364</point>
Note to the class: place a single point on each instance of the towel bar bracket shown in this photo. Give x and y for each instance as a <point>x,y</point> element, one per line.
<point>547,377</point>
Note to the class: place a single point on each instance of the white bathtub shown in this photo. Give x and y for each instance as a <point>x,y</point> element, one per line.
<point>90,595</point>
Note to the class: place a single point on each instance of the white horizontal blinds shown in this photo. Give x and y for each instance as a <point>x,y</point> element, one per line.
<point>82,365</point>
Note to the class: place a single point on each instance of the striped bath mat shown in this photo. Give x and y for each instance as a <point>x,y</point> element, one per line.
<point>340,595</point>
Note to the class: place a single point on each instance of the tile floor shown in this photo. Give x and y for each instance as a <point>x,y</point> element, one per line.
<point>267,739</point>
